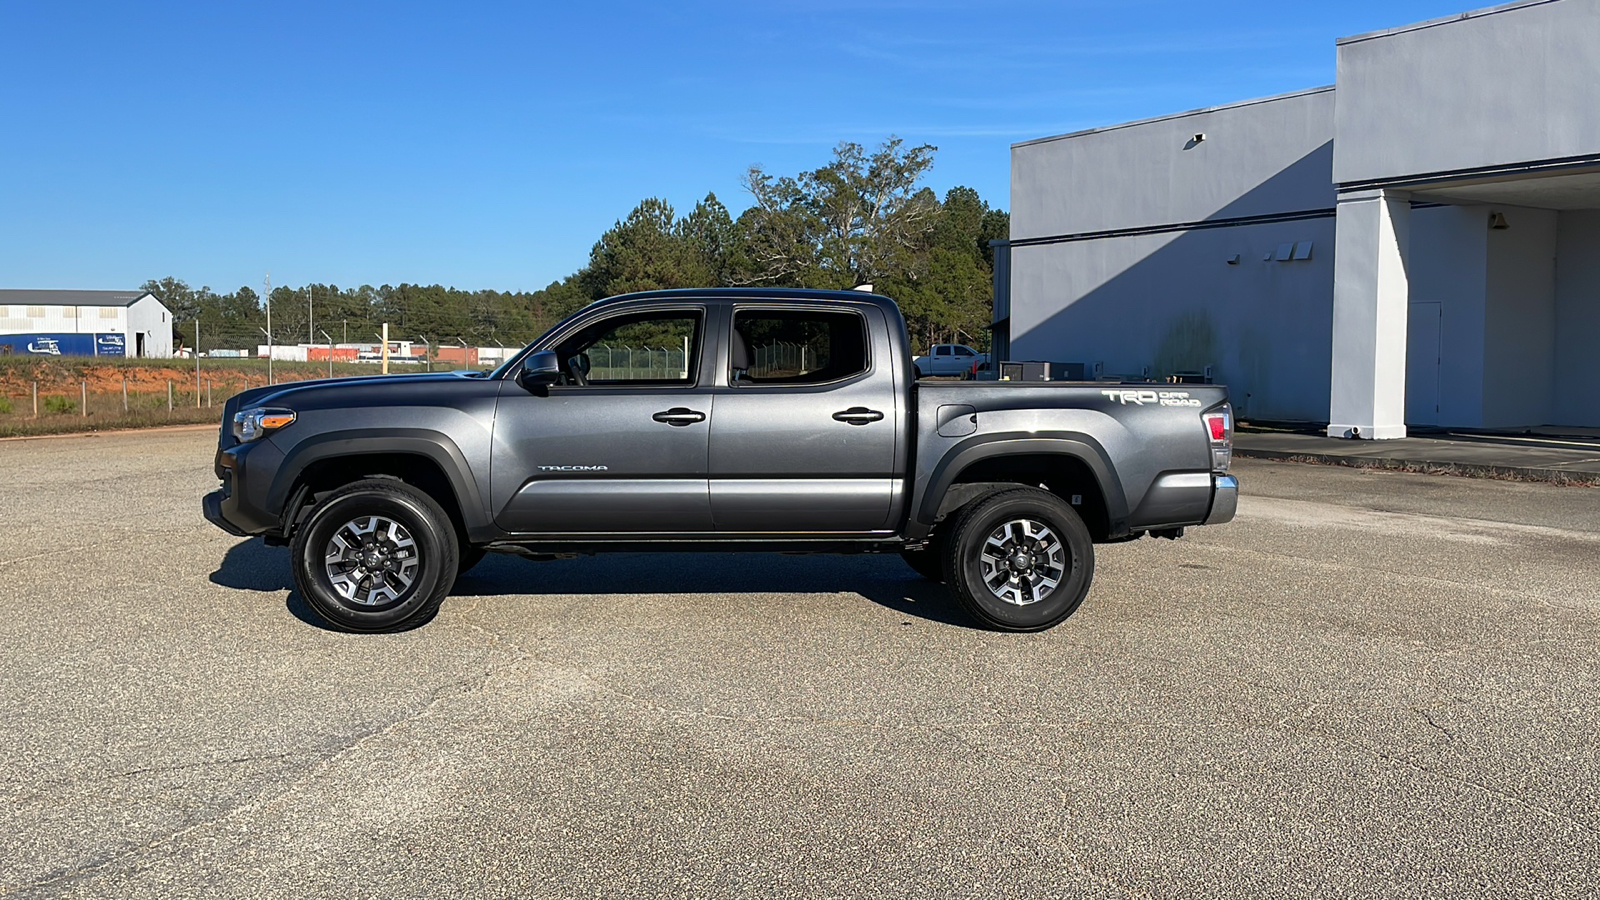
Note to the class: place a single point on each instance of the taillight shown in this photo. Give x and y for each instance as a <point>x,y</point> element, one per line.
<point>1218,423</point>
<point>1219,428</point>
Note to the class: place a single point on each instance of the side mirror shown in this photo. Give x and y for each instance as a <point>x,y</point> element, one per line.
<point>540,369</point>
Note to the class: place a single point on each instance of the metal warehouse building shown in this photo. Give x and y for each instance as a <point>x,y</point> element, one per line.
<point>1419,244</point>
<point>84,323</point>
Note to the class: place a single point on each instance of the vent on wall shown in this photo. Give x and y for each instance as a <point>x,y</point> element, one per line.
<point>1300,250</point>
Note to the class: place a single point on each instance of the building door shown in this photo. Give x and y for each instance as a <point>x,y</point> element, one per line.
<point>1423,348</point>
<point>138,344</point>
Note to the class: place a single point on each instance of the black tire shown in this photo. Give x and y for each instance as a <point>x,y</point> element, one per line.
<point>1040,540</point>
<point>929,561</point>
<point>470,556</point>
<point>355,523</point>
<point>917,371</point>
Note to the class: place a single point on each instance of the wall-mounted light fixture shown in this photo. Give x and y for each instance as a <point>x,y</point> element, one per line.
<point>1233,260</point>
<point>1199,136</point>
<point>1497,221</point>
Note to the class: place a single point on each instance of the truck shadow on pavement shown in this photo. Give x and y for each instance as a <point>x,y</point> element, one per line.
<point>880,578</point>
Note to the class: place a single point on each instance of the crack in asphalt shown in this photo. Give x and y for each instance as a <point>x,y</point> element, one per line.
<point>1489,790</point>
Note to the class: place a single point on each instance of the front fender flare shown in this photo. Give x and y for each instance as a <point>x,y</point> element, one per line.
<point>432,445</point>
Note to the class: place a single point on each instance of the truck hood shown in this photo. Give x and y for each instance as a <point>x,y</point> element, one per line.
<point>326,392</point>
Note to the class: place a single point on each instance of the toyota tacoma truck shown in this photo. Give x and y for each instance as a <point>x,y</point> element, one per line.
<point>716,420</point>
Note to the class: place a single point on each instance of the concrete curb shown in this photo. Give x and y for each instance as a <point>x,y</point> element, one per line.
<point>1427,466</point>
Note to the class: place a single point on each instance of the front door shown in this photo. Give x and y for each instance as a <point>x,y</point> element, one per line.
<point>804,439</point>
<point>620,445</point>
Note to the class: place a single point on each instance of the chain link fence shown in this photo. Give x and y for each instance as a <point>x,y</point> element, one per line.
<point>778,359</point>
<point>607,363</point>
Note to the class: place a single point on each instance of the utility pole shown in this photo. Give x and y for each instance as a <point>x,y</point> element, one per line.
<point>330,353</point>
<point>311,337</point>
<point>385,348</point>
<point>267,285</point>
<point>197,361</point>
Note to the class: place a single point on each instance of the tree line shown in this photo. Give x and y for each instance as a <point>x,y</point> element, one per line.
<point>862,218</point>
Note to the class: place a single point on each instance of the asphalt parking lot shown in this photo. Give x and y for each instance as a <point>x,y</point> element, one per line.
<point>1371,684</point>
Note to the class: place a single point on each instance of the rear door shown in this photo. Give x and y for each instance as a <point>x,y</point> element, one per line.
<point>620,445</point>
<point>807,422</point>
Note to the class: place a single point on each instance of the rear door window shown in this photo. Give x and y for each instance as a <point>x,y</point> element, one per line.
<point>797,346</point>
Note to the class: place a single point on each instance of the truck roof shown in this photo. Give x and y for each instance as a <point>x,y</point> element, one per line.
<point>732,294</point>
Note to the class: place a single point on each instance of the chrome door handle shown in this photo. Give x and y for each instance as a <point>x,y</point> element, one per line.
<point>680,416</point>
<point>858,415</point>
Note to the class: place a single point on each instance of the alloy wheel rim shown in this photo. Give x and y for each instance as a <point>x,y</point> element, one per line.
<point>371,561</point>
<point>1023,562</point>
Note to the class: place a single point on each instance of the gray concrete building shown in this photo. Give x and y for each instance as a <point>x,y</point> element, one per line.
<point>1418,244</point>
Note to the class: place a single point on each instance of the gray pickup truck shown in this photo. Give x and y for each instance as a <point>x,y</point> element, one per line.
<point>716,420</point>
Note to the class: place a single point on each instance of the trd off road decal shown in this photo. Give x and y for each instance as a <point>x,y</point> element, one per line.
<point>1158,398</point>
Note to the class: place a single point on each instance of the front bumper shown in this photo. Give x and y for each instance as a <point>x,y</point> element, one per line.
<point>1224,499</point>
<point>211,504</point>
<point>241,505</point>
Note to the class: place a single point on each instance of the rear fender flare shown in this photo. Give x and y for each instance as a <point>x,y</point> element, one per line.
<point>1074,445</point>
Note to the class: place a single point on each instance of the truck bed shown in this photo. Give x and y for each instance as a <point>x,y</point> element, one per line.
<point>1162,474</point>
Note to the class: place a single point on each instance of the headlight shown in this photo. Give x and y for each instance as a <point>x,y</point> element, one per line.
<point>254,424</point>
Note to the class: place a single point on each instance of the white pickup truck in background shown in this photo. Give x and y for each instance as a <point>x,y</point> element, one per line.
<point>949,359</point>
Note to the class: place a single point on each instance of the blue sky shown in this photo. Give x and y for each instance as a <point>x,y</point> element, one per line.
<point>487,145</point>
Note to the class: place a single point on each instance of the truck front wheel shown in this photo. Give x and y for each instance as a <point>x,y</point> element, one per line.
<point>1019,560</point>
<point>376,555</point>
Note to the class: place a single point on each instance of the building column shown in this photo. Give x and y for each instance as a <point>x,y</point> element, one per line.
<point>1000,326</point>
<point>1370,294</point>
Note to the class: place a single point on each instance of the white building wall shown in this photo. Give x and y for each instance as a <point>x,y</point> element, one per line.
<point>1263,156</point>
<point>1169,300</point>
<point>147,315</point>
<point>1576,400</point>
<point>1173,303</point>
<point>57,319</point>
<point>1519,320</point>
<point>1489,88</point>
<point>1118,255</point>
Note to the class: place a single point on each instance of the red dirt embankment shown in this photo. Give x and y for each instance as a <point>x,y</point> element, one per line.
<point>64,376</point>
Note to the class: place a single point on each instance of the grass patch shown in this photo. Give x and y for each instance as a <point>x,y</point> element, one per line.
<point>56,404</point>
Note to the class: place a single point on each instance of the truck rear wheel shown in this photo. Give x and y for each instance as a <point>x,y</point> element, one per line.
<point>1019,560</point>
<point>376,555</point>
